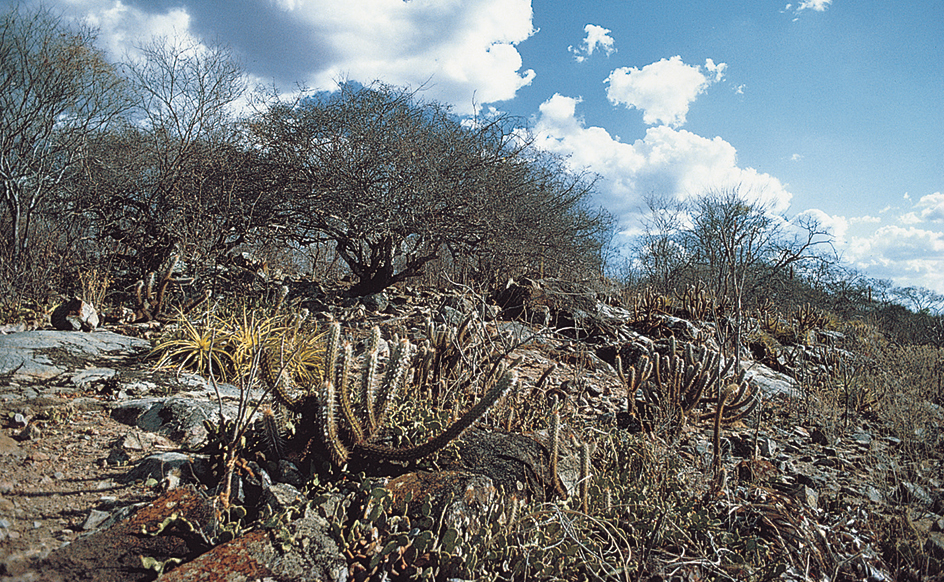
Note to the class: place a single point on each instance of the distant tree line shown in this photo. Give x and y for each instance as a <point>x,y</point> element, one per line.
<point>122,164</point>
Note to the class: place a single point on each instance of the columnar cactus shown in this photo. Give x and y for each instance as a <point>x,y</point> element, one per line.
<point>356,436</point>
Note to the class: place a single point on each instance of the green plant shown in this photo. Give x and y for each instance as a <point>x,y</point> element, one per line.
<point>322,409</point>
<point>199,347</point>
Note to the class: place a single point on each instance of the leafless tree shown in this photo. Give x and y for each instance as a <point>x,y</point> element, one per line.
<point>396,182</point>
<point>741,244</point>
<point>56,89</point>
<point>735,245</point>
<point>176,174</point>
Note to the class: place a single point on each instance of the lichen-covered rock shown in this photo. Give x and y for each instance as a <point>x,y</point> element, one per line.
<point>303,552</point>
<point>114,553</point>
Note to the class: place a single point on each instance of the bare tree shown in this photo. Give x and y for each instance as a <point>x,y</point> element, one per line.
<point>734,245</point>
<point>55,90</point>
<point>177,174</point>
<point>663,260</point>
<point>738,244</point>
<point>542,221</point>
<point>396,182</point>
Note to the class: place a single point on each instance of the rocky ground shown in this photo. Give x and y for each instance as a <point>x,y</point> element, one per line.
<point>81,412</point>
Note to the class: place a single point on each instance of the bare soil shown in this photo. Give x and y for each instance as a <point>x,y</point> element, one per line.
<point>54,473</point>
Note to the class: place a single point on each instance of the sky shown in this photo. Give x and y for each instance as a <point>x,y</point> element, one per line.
<point>830,109</point>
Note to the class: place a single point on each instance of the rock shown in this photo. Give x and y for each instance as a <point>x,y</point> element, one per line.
<point>908,493</point>
<point>862,438</point>
<point>818,436</point>
<point>517,464</point>
<point>177,418</point>
<point>808,496</point>
<point>767,447</point>
<point>113,552</point>
<point>85,379</point>
<point>935,545</point>
<point>95,519</point>
<point>375,301</point>
<point>183,468</point>
<point>451,316</point>
<point>26,357</point>
<point>280,496</point>
<point>311,556</point>
<point>75,315</point>
<point>8,446</point>
<point>770,382</point>
<point>464,500</point>
<point>138,440</point>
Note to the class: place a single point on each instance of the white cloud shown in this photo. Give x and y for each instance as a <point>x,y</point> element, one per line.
<point>122,27</point>
<point>865,220</point>
<point>462,51</point>
<point>668,162</point>
<point>796,157</point>
<point>663,90</point>
<point>929,208</point>
<point>836,226</point>
<point>816,5</point>
<point>597,38</point>
<point>908,256</point>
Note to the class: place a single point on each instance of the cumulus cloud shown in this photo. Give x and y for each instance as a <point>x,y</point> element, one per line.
<point>663,90</point>
<point>597,38</point>
<point>817,5</point>
<point>865,220</point>
<point>907,255</point>
<point>462,51</point>
<point>836,226</point>
<point>814,5</point>
<point>929,208</point>
<point>671,163</point>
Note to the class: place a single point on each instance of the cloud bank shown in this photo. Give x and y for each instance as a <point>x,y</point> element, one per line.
<point>463,52</point>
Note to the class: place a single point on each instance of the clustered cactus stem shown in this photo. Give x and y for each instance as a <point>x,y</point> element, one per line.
<point>585,477</point>
<point>632,379</point>
<point>719,414</point>
<point>356,437</point>
<point>677,381</point>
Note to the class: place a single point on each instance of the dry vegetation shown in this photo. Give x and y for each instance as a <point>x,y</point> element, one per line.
<point>216,231</point>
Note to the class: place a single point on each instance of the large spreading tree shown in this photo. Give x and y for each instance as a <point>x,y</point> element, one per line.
<point>394,182</point>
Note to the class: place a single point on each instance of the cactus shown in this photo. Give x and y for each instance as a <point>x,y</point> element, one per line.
<point>585,477</point>
<point>633,380</point>
<point>326,409</point>
<point>554,442</point>
<point>676,384</point>
<point>151,304</point>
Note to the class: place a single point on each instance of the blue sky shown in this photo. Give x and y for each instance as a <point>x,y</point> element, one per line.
<point>829,108</point>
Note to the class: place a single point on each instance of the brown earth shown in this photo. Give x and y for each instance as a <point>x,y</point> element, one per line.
<point>55,473</point>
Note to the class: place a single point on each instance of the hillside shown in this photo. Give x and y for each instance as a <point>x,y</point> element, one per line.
<point>825,468</point>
